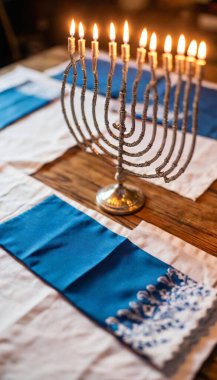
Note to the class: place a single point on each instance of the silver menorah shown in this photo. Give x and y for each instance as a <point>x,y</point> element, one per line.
<point>113,145</point>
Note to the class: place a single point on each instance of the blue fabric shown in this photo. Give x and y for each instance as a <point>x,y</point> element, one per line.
<point>207,117</point>
<point>15,104</point>
<point>95,269</point>
<point>103,69</point>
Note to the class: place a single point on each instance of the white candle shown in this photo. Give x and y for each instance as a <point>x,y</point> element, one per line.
<point>81,41</point>
<point>152,55</point>
<point>167,56</point>
<point>125,47</point>
<point>201,61</point>
<point>71,39</point>
<point>141,51</point>
<point>95,43</point>
<point>112,43</point>
<point>180,56</point>
<point>190,59</point>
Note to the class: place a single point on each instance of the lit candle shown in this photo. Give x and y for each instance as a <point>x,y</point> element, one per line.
<point>190,59</point>
<point>125,47</point>
<point>180,56</point>
<point>71,39</point>
<point>141,51</point>
<point>201,61</point>
<point>167,56</point>
<point>81,41</point>
<point>112,43</point>
<point>152,55</point>
<point>95,43</point>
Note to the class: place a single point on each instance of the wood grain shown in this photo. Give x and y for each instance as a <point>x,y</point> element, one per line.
<point>79,176</point>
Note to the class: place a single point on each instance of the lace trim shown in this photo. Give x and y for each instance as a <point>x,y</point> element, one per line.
<point>163,315</point>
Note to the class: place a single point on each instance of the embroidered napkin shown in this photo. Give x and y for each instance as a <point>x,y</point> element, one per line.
<point>146,303</point>
<point>23,91</point>
<point>79,347</point>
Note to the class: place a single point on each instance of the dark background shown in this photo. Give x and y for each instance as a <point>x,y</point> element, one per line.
<point>30,26</point>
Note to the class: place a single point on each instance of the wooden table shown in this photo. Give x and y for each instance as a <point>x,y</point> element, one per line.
<point>79,177</point>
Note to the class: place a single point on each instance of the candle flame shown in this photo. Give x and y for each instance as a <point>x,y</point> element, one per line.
<point>181,45</point>
<point>143,38</point>
<point>168,44</point>
<point>95,32</point>
<point>202,50</point>
<point>126,33</point>
<point>192,50</point>
<point>72,28</point>
<point>153,42</point>
<point>81,30</point>
<point>112,32</point>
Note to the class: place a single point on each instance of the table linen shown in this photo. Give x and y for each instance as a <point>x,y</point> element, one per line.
<point>30,180</point>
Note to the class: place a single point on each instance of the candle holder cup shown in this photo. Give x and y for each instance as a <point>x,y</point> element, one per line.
<point>121,147</point>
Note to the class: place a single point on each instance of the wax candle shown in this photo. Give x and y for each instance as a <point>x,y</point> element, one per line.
<point>180,56</point>
<point>152,55</point>
<point>167,56</point>
<point>112,43</point>
<point>190,59</point>
<point>81,41</point>
<point>71,39</point>
<point>141,51</point>
<point>95,43</point>
<point>201,61</point>
<point>125,47</point>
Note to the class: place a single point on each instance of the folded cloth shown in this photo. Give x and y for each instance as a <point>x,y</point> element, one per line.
<point>80,349</point>
<point>23,91</point>
<point>207,116</point>
<point>148,304</point>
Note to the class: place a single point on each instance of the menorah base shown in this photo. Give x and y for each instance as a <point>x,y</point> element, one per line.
<point>120,199</point>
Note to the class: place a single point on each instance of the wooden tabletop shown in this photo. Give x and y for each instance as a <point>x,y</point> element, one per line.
<point>79,176</point>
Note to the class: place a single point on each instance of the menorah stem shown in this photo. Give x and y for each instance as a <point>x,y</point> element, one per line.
<point>108,98</point>
<point>63,90</point>
<point>165,117</point>
<point>121,198</point>
<point>175,124</point>
<point>184,124</point>
<point>194,132</point>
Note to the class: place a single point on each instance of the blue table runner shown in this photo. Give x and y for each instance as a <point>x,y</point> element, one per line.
<point>207,118</point>
<point>127,291</point>
<point>19,101</point>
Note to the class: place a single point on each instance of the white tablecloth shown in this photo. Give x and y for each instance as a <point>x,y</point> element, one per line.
<point>44,337</point>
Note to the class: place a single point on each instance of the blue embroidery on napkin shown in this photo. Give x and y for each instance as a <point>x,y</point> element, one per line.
<point>160,311</point>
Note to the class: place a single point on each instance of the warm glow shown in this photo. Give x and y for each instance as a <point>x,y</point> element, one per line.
<point>143,38</point>
<point>168,44</point>
<point>81,30</point>
<point>95,33</point>
<point>181,45</point>
<point>126,33</point>
<point>72,28</point>
<point>112,32</point>
<point>202,50</point>
<point>192,50</point>
<point>153,42</point>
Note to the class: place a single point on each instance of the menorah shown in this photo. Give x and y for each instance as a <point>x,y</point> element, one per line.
<point>119,146</point>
